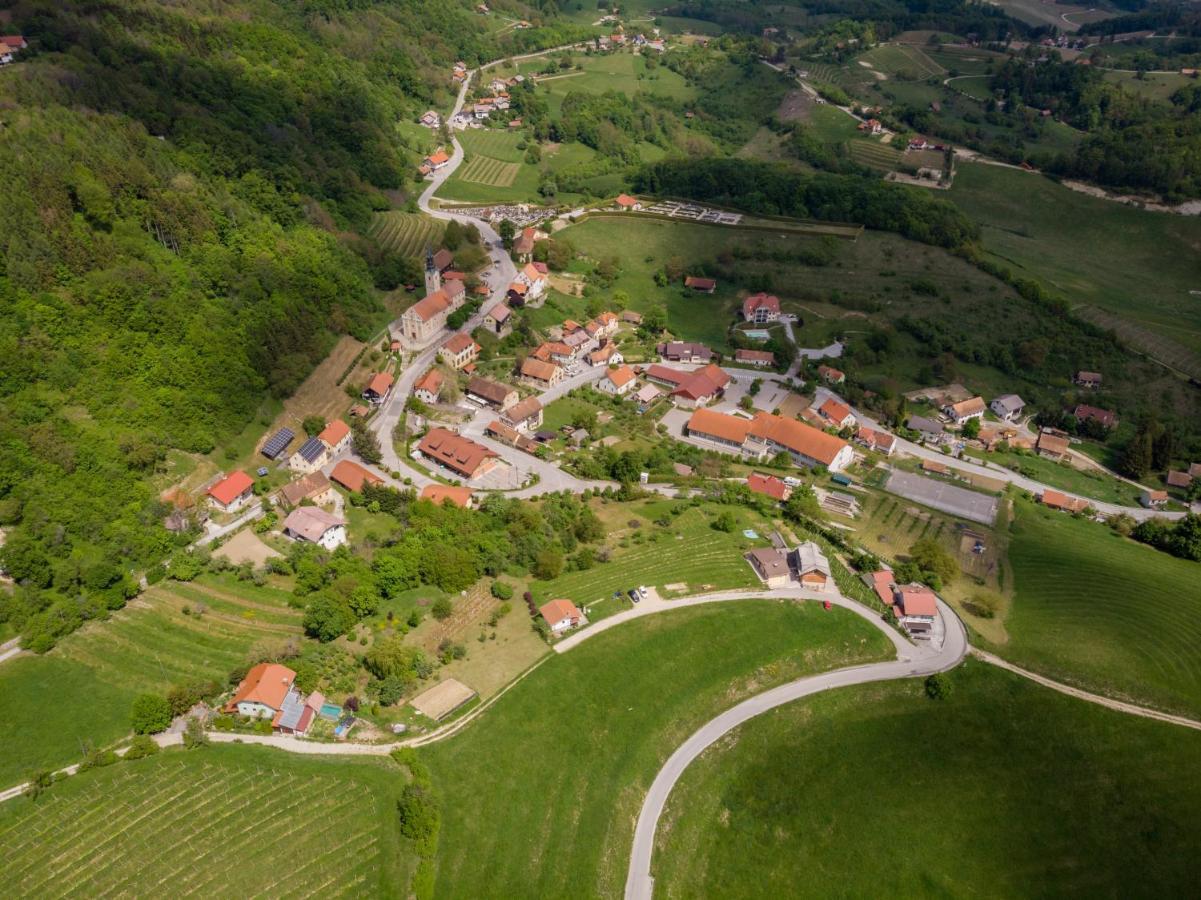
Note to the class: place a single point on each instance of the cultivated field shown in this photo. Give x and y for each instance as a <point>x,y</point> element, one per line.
<point>1003,786</point>
<point>406,233</point>
<point>491,142</point>
<point>1102,612</point>
<point>1064,16</point>
<point>903,61</point>
<point>222,822</point>
<point>875,155</point>
<point>560,763</point>
<point>489,171</point>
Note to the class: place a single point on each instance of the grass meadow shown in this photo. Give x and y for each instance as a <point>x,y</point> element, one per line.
<point>220,822</point>
<point>539,796</point>
<point>1102,612</point>
<point>1002,789</point>
<point>82,690</point>
<point>1090,484</point>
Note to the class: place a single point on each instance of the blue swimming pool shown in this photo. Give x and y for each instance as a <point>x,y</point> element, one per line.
<point>330,711</point>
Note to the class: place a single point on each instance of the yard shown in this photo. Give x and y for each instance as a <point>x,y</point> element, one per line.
<point>223,822</point>
<point>561,762</point>
<point>882,792</point>
<point>1102,612</point>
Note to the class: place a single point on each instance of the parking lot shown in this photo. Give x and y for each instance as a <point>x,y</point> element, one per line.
<point>944,497</point>
<point>695,213</point>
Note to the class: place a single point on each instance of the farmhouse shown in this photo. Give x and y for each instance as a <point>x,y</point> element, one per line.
<point>352,476</point>
<point>459,351</point>
<point>1178,479</point>
<point>685,351</point>
<point>879,441</point>
<point>490,393</point>
<point>232,492</point>
<point>758,358</point>
<point>768,486</point>
<point>617,381</point>
<point>1153,499</point>
<point>507,434</point>
<point>439,494</point>
<point>312,455</point>
<point>700,285</point>
<point>425,318</point>
<point>543,374</point>
<point>534,280</point>
<point>928,429</point>
<point>428,388</point>
<point>761,308</point>
<point>261,694</point>
<point>499,320</point>
<point>961,412</point>
<point>561,615</point>
<point>336,437</point>
<point>525,414</point>
<point>436,160</point>
<point>830,375</point>
<point>1052,444</point>
<point>464,457</point>
<point>1104,417</point>
<point>378,388</point>
<point>836,413</point>
<point>1087,379</point>
<point>1057,500</point>
<point>313,525</point>
<point>916,606</point>
<point>608,355</point>
<point>1007,407</point>
<point>771,565</point>
<point>314,487</point>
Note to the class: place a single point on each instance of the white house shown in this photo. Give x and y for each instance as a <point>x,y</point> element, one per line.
<point>960,412</point>
<point>617,381</point>
<point>232,492</point>
<point>561,615</point>
<point>1007,407</point>
<point>314,525</point>
<point>261,693</point>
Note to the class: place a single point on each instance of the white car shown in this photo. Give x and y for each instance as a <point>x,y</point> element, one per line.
<point>642,591</point>
<point>792,482</point>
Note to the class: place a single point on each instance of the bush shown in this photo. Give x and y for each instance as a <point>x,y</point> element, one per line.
<point>938,687</point>
<point>141,746</point>
<point>442,609</point>
<point>502,591</point>
<point>150,714</point>
<point>96,759</point>
<point>194,736</point>
<point>417,810</point>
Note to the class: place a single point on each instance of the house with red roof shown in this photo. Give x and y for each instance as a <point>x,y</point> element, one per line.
<point>627,203</point>
<point>378,388</point>
<point>232,492</point>
<point>459,351</point>
<point>336,437</point>
<point>561,615</point>
<point>464,457</point>
<point>428,388</point>
<point>534,280</point>
<point>761,308</point>
<point>836,413</point>
<point>617,381</point>
<point>768,486</point>
<point>760,359</point>
<point>352,476</point>
<point>440,494</point>
<point>700,285</point>
<point>830,375</point>
<point>879,441</point>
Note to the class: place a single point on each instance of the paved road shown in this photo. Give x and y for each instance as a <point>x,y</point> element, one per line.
<point>639,882</point>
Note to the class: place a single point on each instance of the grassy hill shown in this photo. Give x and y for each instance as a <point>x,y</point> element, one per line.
<point>883,792</point>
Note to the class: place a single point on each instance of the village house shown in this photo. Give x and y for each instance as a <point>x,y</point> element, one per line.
<point>464,457</point>
<point>561,615</point>
<point>490,393</point>
<point>313,525</point>
<point>1052,444</point>
<point>771,565</point>
<point>630,317</point>
<point>916,607</point>
<point>578,341</point>
<point>836,413</point>
<point>429,387</point>
<point>534,280</point>
<point>260,695</point>
<point>336,436</point>
<point>232,492</point>
<point>959,413</point>
<point>646,395</point>
<point>309,457</point>
<point>930,430</point>
<point>523,246</point>
<point>378,388</point>
<point>685,351</point>
<point>436,160</point>
<point>806,565</point>
<point>1007,407</point>
<point>608,355</point>
<point>1104,417</point>
<point>352,476</point>
<point>553,351</point>
<point>700,285</point>
<point>431,119</point>
<point>761,308</point>
<point>1153,499</point>
<point>440,494</point>
<point>691,389</point>
<point>616,381</point>
<point>507,434</point>
<point>879,441</point>
<point>830,375</point>
<point>766,435</point>
<point>314,487</point>
<point>499,320</point>
<point>768,486</point>
<point>1089,380</point>
<point>608,324</point>
<point>626,203</point>
<point>759,358</point>
<point>812,567</point>
<point>1178,479</point>
<point>425,318</point>
<point>1053,499</point>
<point>544,375</point>
<point>459,351</point>
<point>525,414</point>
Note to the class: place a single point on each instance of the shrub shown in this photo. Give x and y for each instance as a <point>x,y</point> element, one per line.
<point>141,746</point>
<point>194,736</point>
<point>442,609</point>
<point>502,591</point>
<point>938,687</point>
<point>150,714</point>
<point>418,813</point>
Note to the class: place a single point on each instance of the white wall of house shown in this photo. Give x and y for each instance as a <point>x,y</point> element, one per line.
<point>255,710</point>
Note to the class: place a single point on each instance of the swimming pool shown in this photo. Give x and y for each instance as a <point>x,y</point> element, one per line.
<point>330,711</point>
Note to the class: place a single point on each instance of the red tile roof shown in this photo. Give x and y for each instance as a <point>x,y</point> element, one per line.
<point>455,452</point>
<point>760,301</point>
<point>438,493</point>
<point>380,383</point>
<point>835,410</point>
<point>334,432</point>
<point>768,485</point>
<point>458,343</point>
<point>430,382</point>
<point>620,376</point>
<point>539,370</point>
<point>625,200</point>
<point>352,476</point>
<point>266,683</point>
<point>755,356</point>
<point>719,425</point>
<point>918,600</point>
<point>798,437</point>
<point>558,610</point>
<point>231,487</point>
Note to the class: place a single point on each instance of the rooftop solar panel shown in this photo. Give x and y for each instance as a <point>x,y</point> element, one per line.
<point>277,443</point>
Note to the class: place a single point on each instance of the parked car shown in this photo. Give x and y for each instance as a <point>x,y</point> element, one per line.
<point>633,595</point>
<point>642,591</point>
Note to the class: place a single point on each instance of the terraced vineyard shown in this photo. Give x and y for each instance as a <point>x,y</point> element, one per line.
<point>406,233</point>
<point>902,61</point>
<point>875,155</point>
<point>488,171</point>
<point>223,823</point>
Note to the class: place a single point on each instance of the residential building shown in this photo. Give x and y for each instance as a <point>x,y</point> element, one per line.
<point>490,393</point>
<point>499,320</point>
<point>767,434</point>
<point>313,525</point>
<point>1194,470</point>
<point>524,414</point>
<point>561,615</point>
<point>464,457</point>
<point>761,308</point>
<point>929,429</point>
<point>812,567</point>
<point>534,280</point>
<point>352,476</point>
<point>425,318</point>
<point>436,160</point>
<point>768,486</point>
<point>314,487</point>
<point>1007,407</point>
<point>646,395</point>
<point>961,412</point>
<point>836,413</point>
<point>831,375</point>
<point>608,324</point>
<point>685,351</point>
<point>700,285</point>
<point>1178,479</point>
<point>879,441</point>
<point>916,607</point>
<point>312,455</point>
<point>336,437</point>
<point>378,388</point>
<point>429,387</point>
<point>260,695</point>
<point>553,351</point>
<point>1052,444</point>
<point>1104,417</point>
<point>459,351</point>
<point>1153,499</point>
<point>691,389</point>
<point>439,494</point>
<point>771,565</point>
<point>516,294</point>
<point>625,202</point>
<point>618,381</point>
<point>232,492</point>
<point>1058,500</point>
<point>758,358</point>
<point>543,374</point>
<point>630,317</point>
<point>507,434</point>
<point>1089,380</point>
<point>608,355</point>
<point>523,246</point>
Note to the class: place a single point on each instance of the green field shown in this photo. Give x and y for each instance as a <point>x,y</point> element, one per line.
<point>963,60</point>
<point>903,61</point>
<point>488,171</point>
<point>94,674</point>
<point>493,142</point>
<point>406,233</point>
<point>557,769</point>
<point>1102,612</point>
<point>1004,790</point>
<point>875,155</point>
<point>1153,85</point>
<point>219,822</point>
<point>623,72</point>
<point>1089,484</point>
<point>1135,265</point>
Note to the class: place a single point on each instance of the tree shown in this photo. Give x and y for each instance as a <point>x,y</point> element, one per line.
<point>548,564</point>
<point>932,557</point>
<point>726,521</point>
<point>313,425</point>
<point>507,230</point>
<point>938,686</point>
<point>327,617</point>
<point>971,429</point>
<point>442,609</point>
<point>1135,460</point>
<point>366,443</point>
<point>418,815</point>
<point>802,504</point>
<point>194,736</point>
<point>391,657</point>
<point>150,714</point>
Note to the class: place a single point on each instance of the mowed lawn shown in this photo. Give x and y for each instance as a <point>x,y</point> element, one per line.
<point>220,822</point>
<point>1104,613</point>
<point>540,794</point>
<point>82,690</point>
<point>1004,790</point>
